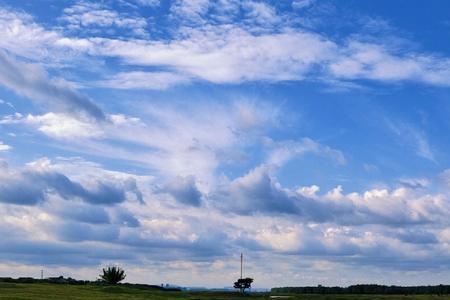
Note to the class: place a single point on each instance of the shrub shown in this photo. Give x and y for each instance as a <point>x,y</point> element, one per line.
<point>112,275</point>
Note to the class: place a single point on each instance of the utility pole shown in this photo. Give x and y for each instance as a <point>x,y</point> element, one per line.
<point>242,258</point>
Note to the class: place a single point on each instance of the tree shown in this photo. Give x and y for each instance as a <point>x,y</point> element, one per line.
<point>243,283</point>
<point>112,275</point>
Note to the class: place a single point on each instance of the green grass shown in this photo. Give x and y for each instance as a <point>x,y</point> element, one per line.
<point>38,291</point>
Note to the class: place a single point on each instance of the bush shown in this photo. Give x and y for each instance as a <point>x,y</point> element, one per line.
<point>112,275</point>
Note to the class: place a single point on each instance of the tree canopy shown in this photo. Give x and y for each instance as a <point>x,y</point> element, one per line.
<point>243,283</point>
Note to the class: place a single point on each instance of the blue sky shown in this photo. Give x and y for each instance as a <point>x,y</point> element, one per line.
<point>169,136</point>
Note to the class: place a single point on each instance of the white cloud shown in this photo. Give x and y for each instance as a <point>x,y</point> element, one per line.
<point>287,150</point>
<point>62,126</point>
<point>369,61</point>
<point>413,137</point>
<point>144,80</point>
<point>4,147</point>
<point>22,36</point>
<point>149,2</point>
<point>227,54</point>
<point>7,103</point>
<point>224,52</point>
<point>195,151</point>
<point>300,4</point>
<point>261,12</point>
<point>200,239</point>
<point>190,10</point>
<point>89,16</point>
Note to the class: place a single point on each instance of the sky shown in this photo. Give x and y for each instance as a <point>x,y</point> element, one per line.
<point>169,136</point>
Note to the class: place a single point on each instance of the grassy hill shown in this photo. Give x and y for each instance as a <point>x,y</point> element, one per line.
<point>48,291</point>
<point>37,291</point>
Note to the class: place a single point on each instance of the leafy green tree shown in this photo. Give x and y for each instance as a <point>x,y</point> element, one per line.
<point>112,275</point>
<point>243,283</point>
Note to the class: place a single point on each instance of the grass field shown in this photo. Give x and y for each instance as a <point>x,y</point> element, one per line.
<point>38,291</point>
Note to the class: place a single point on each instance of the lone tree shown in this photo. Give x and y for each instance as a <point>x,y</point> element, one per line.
<point>112,275</point>
<point>243,283</point>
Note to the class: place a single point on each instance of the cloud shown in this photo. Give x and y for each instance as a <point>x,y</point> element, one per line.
<point>417,237</point>
<point>255,192</point>
<point>7,103</point>
<point>90,16</point>
<point>415,138</point>
<point>148,2</point>
<point>223,50</point>
<point>31,81</point>
<point>300,4</point>
<point>78,232</point>
<point>144,80</point>
<point>226,54</point>
<point>4,147</point>
<point>32,185</point>
<point>80,212</point>
<point>190,10</point>
<point>184,190</point>
<point>286,150</point>
<point>259,192</point>
<point>370,61</point>
<point>61,126</point>
<point>22,36</point>
<point>261,12</point>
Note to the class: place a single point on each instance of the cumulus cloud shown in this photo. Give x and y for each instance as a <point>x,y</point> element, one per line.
<point>32,185</point>
<point>255,192</point>
<point>184,190</point>
<point>259,192</point>
<point>80,212</point>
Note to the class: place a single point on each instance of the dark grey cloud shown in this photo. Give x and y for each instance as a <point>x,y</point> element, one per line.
<point>210,242</point>
<point>417,236</point>
<point>184,190</point>
<point>84,213</point>
<point>256,192</point>
<point>31,81</point>
<point>78,232</point>
<point>29,187</point>
<point>124,218</point>
<point>60,253</point>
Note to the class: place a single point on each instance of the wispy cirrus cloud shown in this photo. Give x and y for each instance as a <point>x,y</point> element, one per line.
<point>31,81</point>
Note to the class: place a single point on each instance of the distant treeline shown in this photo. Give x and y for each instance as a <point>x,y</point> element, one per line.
<point>366,289</point>
<point>62,280</point>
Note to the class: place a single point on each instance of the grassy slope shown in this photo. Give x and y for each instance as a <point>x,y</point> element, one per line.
<point>37,291</point>
<point>73,292</point>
